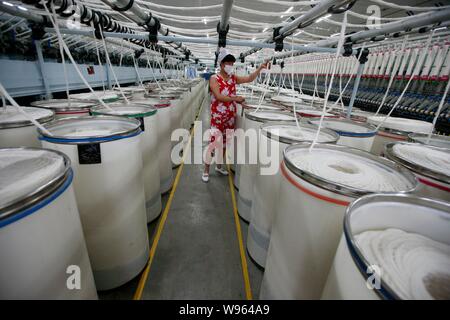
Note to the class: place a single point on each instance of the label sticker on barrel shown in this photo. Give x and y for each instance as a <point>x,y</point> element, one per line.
<point>89,153</point>
<point>141,120</point>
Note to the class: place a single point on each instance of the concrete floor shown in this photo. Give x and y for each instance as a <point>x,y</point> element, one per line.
<point>198,254</point>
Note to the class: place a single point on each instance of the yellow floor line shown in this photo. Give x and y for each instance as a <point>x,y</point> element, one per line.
<point>248,288</point>
<point>144,277</point>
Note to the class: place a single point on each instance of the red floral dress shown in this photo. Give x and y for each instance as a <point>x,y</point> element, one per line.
<point>223,114</point>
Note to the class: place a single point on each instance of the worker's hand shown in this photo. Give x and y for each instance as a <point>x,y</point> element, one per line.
<point>265,65</point>
<point>239,99</point>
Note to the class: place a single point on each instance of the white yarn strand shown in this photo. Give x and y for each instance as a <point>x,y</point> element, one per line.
<point>338,52</point>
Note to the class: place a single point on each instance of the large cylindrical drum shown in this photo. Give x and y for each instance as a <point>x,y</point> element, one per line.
<point>18,131</point>
<point>43,253</point>
<point>107,161</point>
<point>250,105</point>
<point>164,145</point>
<point>431,166</point>
<point>392,247</point>
<point>273,139</point>
<point>395,129</point>
<point>249,156</point>
<point>352,134</point>
<point>317,185</point>
<point>435,140</point>
<point>146,114</point>
<point>64,108</point>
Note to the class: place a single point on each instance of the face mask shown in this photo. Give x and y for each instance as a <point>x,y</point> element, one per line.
<point>228,69</point>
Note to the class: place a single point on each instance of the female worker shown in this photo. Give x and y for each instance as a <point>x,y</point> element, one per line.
<point>223,106</point>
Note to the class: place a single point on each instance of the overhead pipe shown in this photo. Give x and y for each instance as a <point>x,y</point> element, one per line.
<point>141,16</point>
<point>318,10</point>
<point>408,23</point>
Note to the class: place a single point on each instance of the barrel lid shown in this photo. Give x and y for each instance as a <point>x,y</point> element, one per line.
<point>362,209</point>
<point>289,133</point>
<point>401,125</point>
<point>347,171</point>
<point>155,102</point>
<point>90,129</point>
<point>106,96</point>
<point>132,110</point>
<point>11,118</point>
<point>348,128</point>
<point>255,106</point>
<point>313,113</point>
<point>132,89</point>
<point>61,105</point>
<point>163,95</point>
<point>263,116</point>
<point>432,162</point>
<point>286,100</point>
<point>436,140</point>
<point>27,175</point>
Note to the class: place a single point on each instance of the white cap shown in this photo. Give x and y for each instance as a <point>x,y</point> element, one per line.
<point>222,54</point>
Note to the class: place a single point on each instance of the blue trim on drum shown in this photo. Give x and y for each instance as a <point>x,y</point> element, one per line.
<point>17,216</point>
<point>355,134</point>
<point>89,140</point>
<point>362,267</point>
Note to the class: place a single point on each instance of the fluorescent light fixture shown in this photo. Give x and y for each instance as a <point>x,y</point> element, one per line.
<point>289,10</point>
<point>298,33</point>
<point>334,35</point>
<point>8,4</point>
<point>264,30</point>
<point>441,28</point>
<point>204,21</point>
<point>22,8</point>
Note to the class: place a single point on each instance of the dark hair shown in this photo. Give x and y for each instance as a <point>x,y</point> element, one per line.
<point>228,58</point>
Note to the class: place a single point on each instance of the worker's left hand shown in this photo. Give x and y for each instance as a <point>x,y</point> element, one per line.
<point>265,65</point>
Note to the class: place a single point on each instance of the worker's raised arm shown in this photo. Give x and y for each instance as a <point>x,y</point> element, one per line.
<point>251,77</point>
<point>214,85</point>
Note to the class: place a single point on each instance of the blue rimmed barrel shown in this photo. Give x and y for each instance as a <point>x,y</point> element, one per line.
<point>43,253</point>
<point>146,114</point>
<point>107,161</point>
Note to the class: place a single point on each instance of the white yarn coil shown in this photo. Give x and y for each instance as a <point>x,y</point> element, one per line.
<point>424,156</point>
<point>348,169</point>
<point>414,266</point>
<point>24,171</point>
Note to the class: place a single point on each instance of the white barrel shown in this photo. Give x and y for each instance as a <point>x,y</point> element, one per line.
<point>43,253</point>
<point>317,185</point>
<point>435,140</point>
<point>247,172</point>
<point>405,238</point>
<point>431,166</point>
<point>352,134</point>
<point>65,109</point>
<point>250,105</point>
<point>107,161</point>
<point>106,96</point>
<point>395,129</point>
<point>176,110</point>
<point>163,117</point>
<point>146,114</point>
<point>17,131</point>
<point>273,139</point>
